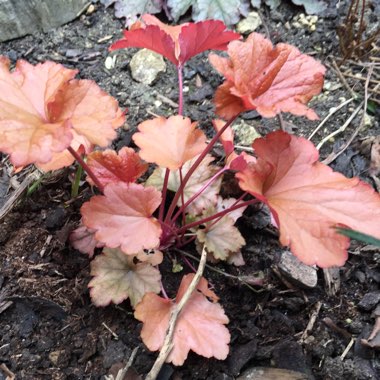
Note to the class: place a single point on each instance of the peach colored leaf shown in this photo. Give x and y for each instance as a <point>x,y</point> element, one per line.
<point>122,217</point>
<point>266,78</point>
<point>200,326</point>
<point>27,132</point>
<point>151,256</point>
<point>169,142</point>
<point>308,199</point>
<point>45,110</point>
<point>83,239</point>
<point>177,43</point>
<point>110,166</point>
<point>117,277</point>
<point>197,181</point>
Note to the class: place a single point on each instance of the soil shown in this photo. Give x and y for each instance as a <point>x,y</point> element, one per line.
<point>50,329</point>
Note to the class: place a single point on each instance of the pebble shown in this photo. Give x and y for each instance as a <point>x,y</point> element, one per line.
<point>302,275</point>
<point>245,133</point>
<point>110,62</point>
<point>146,65</point>
<point>249,24</point>
<point>369,301</point>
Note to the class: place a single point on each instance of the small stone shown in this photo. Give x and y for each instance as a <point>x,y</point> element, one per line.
<point>249,24</point>
<point>245,133</point>
<point>146,65</point>
<point>302,275</point>
<point>369,301</point>
<point>110,62</point>
<point>54,356</point>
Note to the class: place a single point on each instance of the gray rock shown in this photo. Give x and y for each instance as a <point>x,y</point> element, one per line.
<point>21,17</point>
<point>249,24</point>
<point>146,65</point>
<point>302,275</point>
<point>370,300</point>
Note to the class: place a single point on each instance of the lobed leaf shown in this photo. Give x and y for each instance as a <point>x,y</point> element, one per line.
<point>117,277</point>
<point>200,326</point>
<point>122,217</point>
<point>266,78</point>
<point>111,167</point>
<point>308,199</point>
<point>169,142</point>
<point>83,239</point>
<point>43,110</point>
<point>176,43</point>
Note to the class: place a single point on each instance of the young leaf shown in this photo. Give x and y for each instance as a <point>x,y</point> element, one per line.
<point>308,199</point>
<point>169,142</point>
<point>196,182</point>
<point>222,239</point>
<point>176,43</point>
<point>122,217</point>
<point>83,239</point>
<point>110,166</point>
<point>267,79</point>
<point>42,106</point>
<point>200,326</point>
<point>117,277</point>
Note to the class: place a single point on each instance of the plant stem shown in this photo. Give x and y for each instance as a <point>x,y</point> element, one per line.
<point>195,165</point>
<point>197,194</point>
<point>215,216</point>
<point>180,90</point>
<point>76,183</point>
<point>164,194</point>
<point>86,168</point>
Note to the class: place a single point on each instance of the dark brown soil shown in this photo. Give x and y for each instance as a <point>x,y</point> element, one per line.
<point>52,331</point>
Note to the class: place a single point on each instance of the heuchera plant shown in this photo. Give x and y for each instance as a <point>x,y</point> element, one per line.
<point>49,118</point>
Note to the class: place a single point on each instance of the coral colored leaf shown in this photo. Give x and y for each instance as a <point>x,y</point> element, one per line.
<point>110,166</point>
<point>151,37</point>
<point>198,37</point>
<point>176,43</point>
<point>122,217</point>
<point>308,199</point>
<point>27,132</point>
<point>117,277</point>
<point>266,78</point>
<point>83,239</point>
<point>169,142</point>
<point>197,181</point>
<point>43,110</point>
<point>200,326</point>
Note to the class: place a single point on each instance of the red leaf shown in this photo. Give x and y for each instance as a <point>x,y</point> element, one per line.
<point>308,199</point>
<point>266,78</point>
<point>122,217</point>
<point>110,166</point>
<point>169,142</point>
<point>200,326</point>
<point>176,43</point>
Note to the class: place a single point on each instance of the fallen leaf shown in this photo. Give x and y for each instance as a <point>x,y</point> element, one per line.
<point>266,79</point>
<point>122,217</point>
<point>169,142</point>
<point>308,199</point>
<point>200,326</point>
<point>110,166</point>
<point>116,277</point>
<point>177,43</point>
